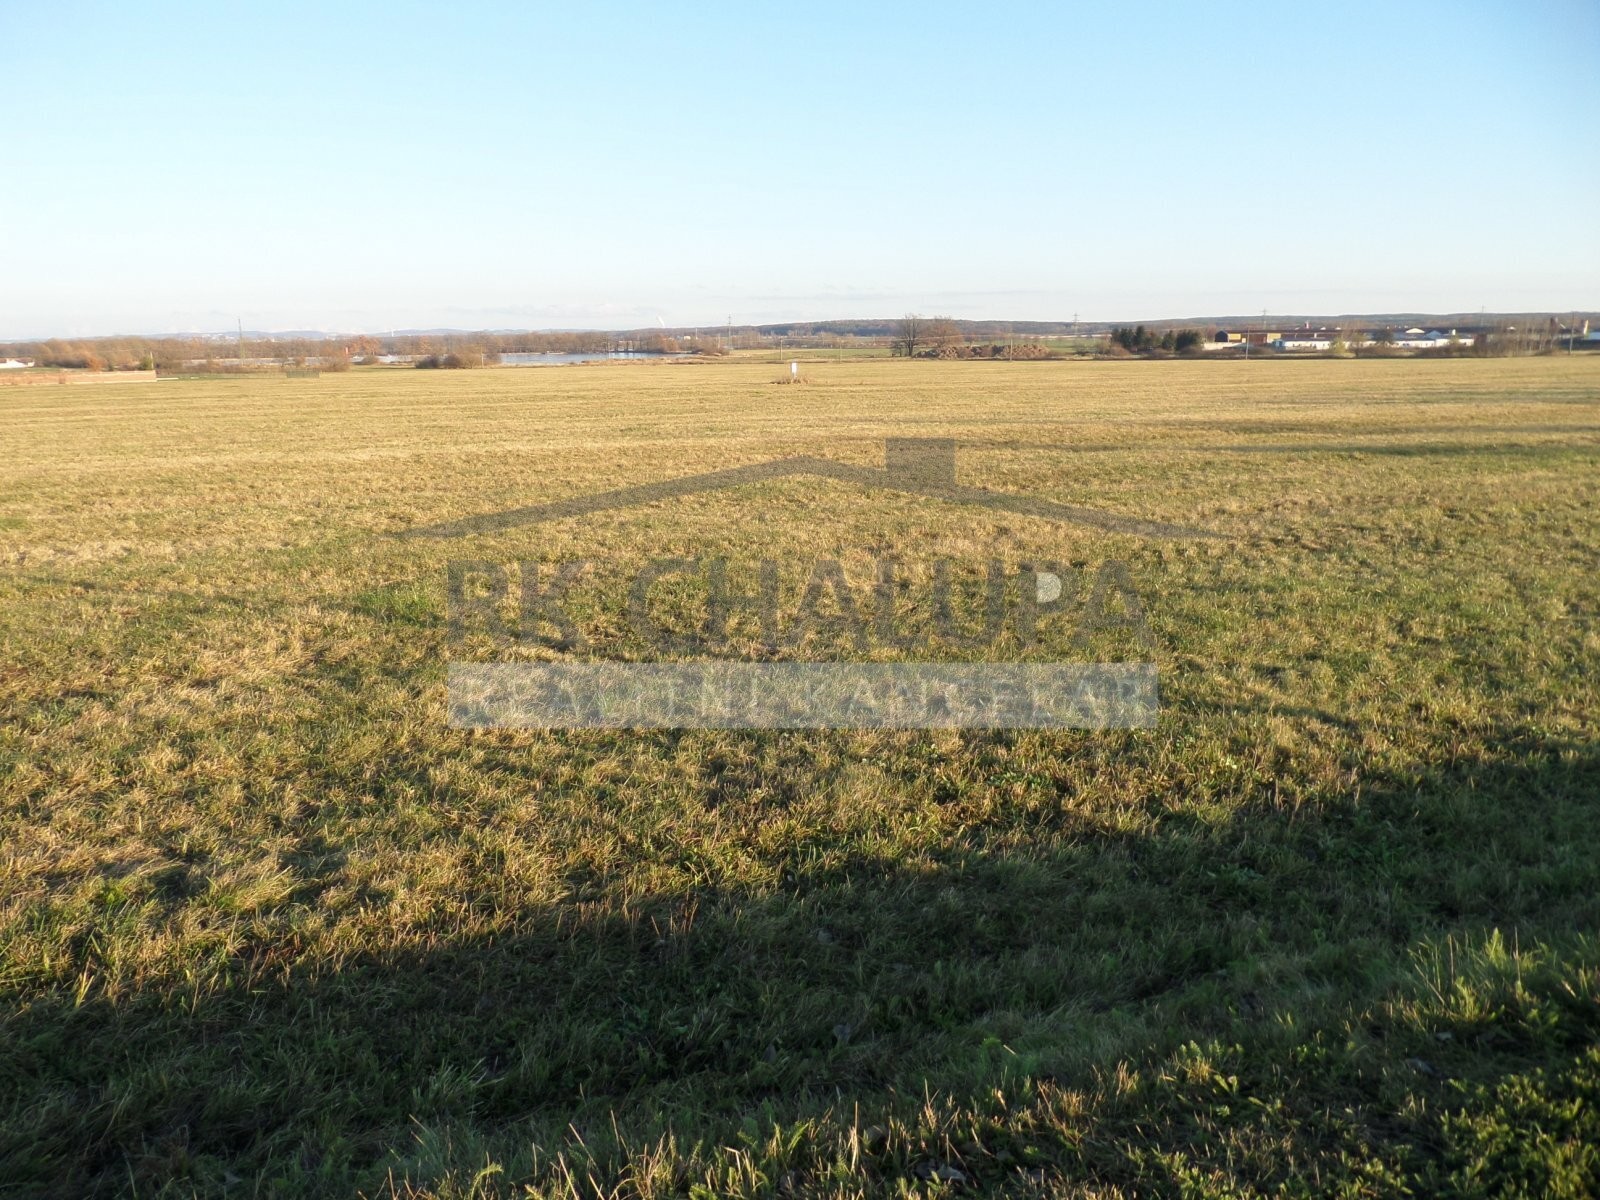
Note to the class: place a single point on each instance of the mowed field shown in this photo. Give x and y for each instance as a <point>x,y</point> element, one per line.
<point>268,926</point>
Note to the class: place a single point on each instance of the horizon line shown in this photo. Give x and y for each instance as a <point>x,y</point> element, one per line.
<point>1201,319</point>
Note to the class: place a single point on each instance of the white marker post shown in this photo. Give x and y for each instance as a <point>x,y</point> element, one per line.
<point>794,370</point>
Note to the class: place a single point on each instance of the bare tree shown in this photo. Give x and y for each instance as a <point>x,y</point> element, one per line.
<point>909,332</point>
<point>945,336</point>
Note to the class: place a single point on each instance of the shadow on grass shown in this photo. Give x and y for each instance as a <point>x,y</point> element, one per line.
<point>849,979</point>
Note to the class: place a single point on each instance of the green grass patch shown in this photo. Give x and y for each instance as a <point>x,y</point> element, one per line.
<point>269,926</point>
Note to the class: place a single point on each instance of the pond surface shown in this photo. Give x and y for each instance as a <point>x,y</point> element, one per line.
<point>555,360</point>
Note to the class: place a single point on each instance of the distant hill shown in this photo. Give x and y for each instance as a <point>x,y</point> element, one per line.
<point>883,327</point>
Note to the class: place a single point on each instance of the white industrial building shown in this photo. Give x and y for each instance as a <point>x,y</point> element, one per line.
<point>1410,339</point>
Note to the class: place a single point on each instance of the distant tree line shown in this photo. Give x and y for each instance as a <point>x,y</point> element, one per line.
<point>222,354</point>
<point>1139,339</point>
<point>912,336</point>
<point>456,360</point>
<point>916,336</point>
<point>927,337</point>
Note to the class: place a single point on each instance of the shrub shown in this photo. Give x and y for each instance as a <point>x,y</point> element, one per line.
<point>465,358</point>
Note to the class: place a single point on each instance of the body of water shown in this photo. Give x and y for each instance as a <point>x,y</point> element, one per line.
<point>555,360</point>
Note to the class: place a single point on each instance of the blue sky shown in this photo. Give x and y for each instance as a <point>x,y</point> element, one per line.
<point>366,167</point>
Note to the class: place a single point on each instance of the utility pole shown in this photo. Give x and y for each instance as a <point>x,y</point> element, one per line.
<point>240,321</point>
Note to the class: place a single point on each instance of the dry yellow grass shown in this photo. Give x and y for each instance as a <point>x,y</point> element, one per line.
<point>265,920</point>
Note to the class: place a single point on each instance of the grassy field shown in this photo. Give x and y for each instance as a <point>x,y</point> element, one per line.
<point>269,927</point>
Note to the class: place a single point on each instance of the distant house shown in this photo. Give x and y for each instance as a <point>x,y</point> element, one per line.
<point>15,364</point>
<point>1308,339</point>
<point>1327,339</point>
<point>1253,337</point>
<point>1432,339</point>
<point>1311,340</point>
